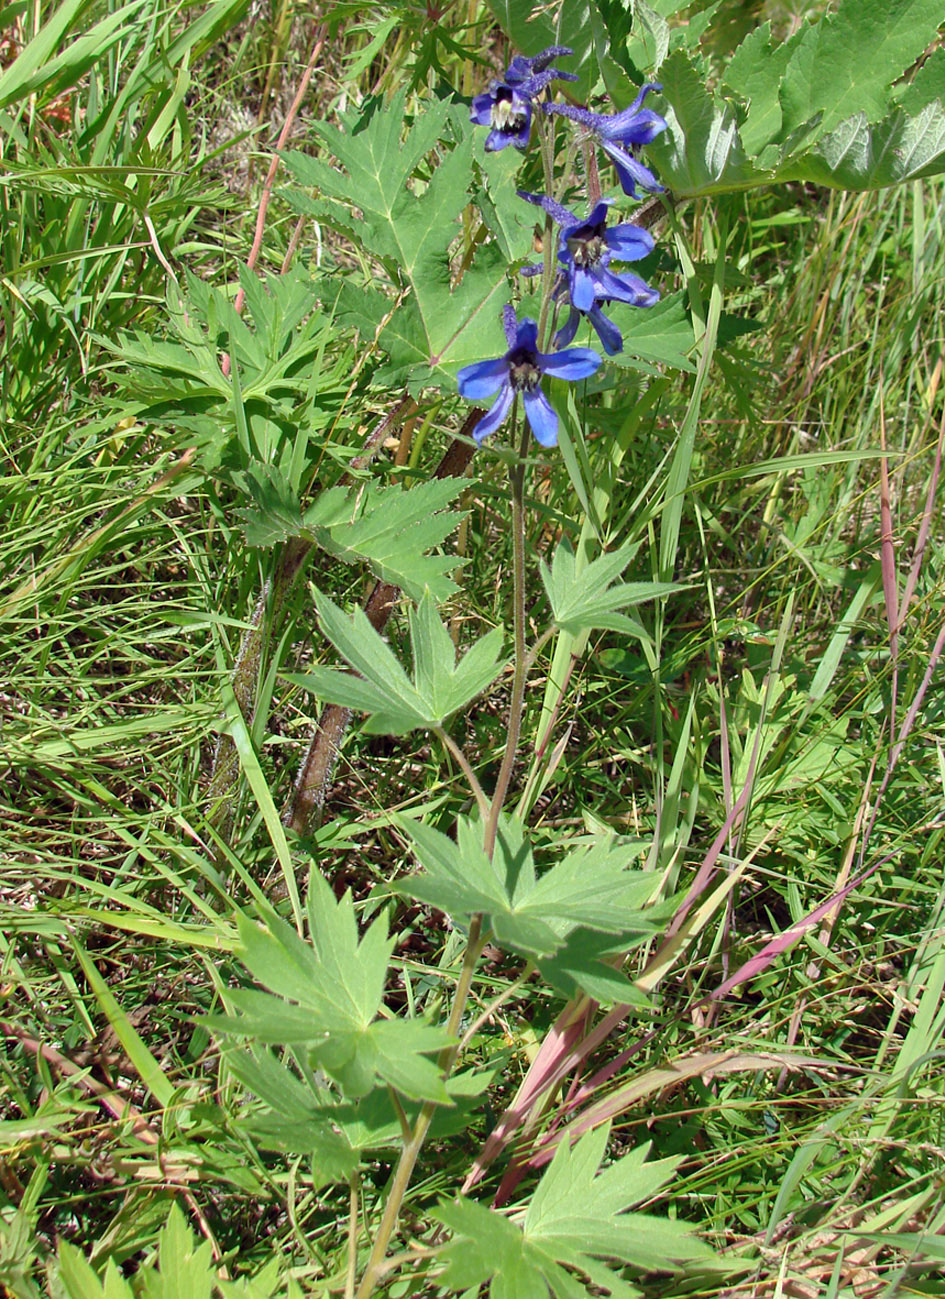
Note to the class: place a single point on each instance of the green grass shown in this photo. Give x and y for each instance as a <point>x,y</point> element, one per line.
<point>127,587</point>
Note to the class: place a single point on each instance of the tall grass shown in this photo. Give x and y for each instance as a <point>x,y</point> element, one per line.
<point>785,671</point>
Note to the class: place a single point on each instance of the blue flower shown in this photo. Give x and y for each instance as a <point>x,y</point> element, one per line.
<point>620,136</point>
<point>585,251</point>
<point>520,371</point>
<point>506,106</point>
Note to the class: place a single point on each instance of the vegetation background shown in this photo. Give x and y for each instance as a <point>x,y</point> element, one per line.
<point>136,165</point>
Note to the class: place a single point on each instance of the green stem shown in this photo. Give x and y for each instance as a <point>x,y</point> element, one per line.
<point>452,747</point>
<point>546,137</point>
<point>516,706</point>
<point>408,1158</point>
<point>376,1265</point>
<point>351,1273</point>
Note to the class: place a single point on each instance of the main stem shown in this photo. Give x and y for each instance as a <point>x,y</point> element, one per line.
<point>376,1264</point>
<point>408,1158</point>
<point>516,706</point>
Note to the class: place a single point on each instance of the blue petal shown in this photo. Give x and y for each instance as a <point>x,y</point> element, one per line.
<point>480,111</point>
<point>608,333</point>
<point>626,288</point>
<point>628,243</point>
<point>483,378</point>
<point>575,363</point>
<point>527,334</point>
<point>630,172</point>
<point>493,418</point>
<point>582,287</point>
<point>635,125</point>
<point>543,420</point>
<point>497,139</point>
<point>568,329</point>
<point>598,213</point>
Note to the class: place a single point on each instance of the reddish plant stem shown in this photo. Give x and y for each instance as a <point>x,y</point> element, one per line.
<point>274,167</point>
<point>307,802</point>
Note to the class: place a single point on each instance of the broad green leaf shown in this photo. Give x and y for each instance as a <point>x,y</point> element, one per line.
<point>301,1118</point>
<point>186,1269</point>
<point>81,1281</point>
<point>927,85</point>
<point>661,334</point>
<point>793,123</point>
<point>700,152</point>
<point>508,218</point>
<point>393,530</point>
<point>388,528</point>
<point>589,888</point>
<point>441,322</point>
<point>325,995</point>
<point>586,598</point>
<point>754,72</point>
<point>845,63</point>
<point>858,156</point>
<point>588,963</point>
<point>445,682</point>
<point>395,704</point>
<point>577,1216</point>
<point>383,689</point>
<point>649,40</point>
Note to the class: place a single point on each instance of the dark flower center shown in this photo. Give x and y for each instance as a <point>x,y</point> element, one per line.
<point>509,113</point>
<point>524,374</point>
<point>586,245</point>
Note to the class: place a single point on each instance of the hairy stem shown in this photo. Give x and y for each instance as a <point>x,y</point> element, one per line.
<point>517,480</point>
<point>464,765</point>
<point>408,1157</point>
<point>351,1273</point>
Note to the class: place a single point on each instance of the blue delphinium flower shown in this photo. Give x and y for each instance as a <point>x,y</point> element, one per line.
<point>520,371</point>
<point>506,106</point>
<point>585,251</point>
<point>620,135</point>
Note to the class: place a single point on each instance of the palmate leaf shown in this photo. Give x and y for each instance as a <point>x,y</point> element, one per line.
<point>821,107</point>
<point>395,704</point>
<point>577,1216</point>
<point>440,324</point>
<point>387,528</point>
<point>185,1268</point>
<point>846,62</point>
<point>584,599</point>
<point>325,995</point>
<point>393,532</point>
<point>859,156</point>
<point>589,888</point>
<point>297,1113</point>
<point>660,334</point>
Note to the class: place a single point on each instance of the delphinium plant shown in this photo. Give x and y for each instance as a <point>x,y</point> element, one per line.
<point>353,1080</point>
<point>353,1069</point>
